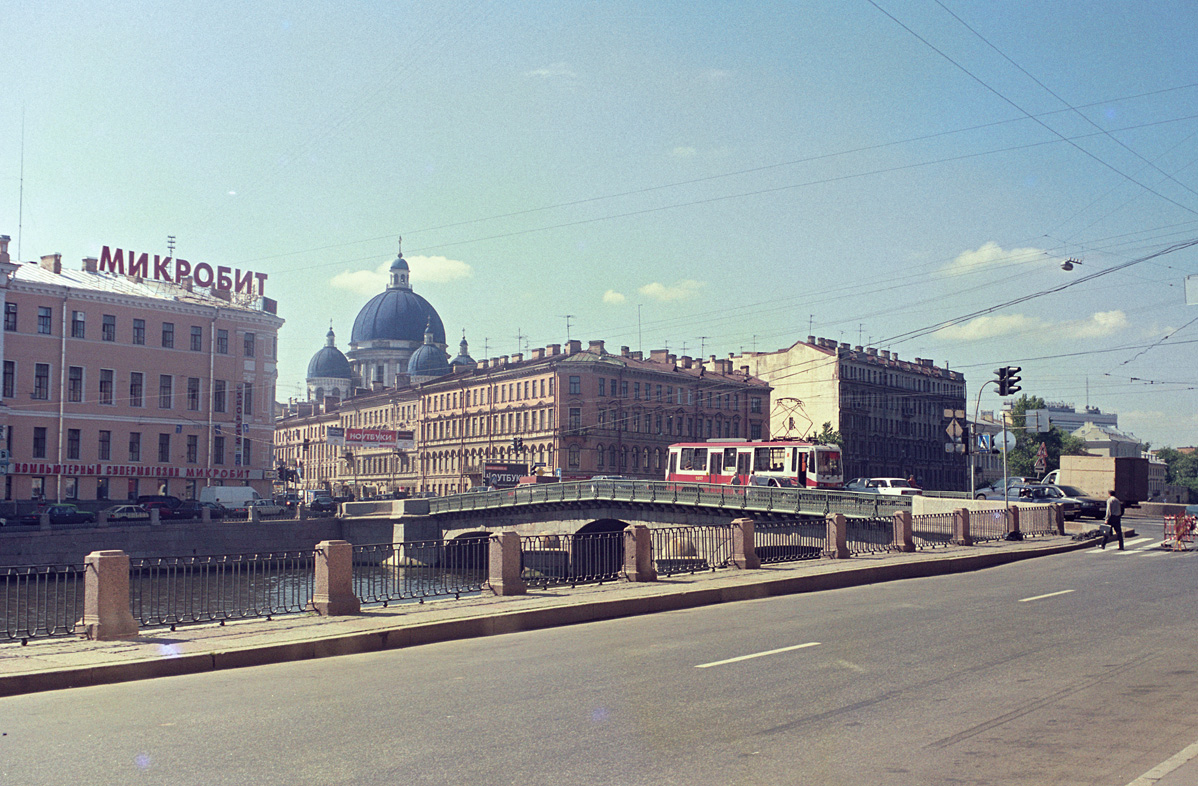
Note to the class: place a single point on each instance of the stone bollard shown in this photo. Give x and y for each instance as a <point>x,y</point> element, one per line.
<point>504,565</point>
<point>838,537</point>
<point>43,521</point>
<point>904,535</point>
<point>102,519</point>
<point>1013,521</point>
<point>638,554</point>
<point>961,534</point>
<point>1059,515</point>
<point>744,544</point>
<point>155,519</point>
<point>254,517</point>
<point>106,612</point>
<point>333,590</point>
<point>301,512</point>
<point>205,515</point>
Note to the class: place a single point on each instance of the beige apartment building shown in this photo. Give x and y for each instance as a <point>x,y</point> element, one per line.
<point>568,411</point>
<point>121,380</point>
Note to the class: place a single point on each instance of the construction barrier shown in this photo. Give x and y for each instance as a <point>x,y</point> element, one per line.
<point>1179,532</point>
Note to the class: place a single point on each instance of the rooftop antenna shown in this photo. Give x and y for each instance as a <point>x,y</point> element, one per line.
<point>810,320</point>
<point>639,343</point>
<point>567,317</point>
<point>170,246</point>
<point>703,345</point>
<point>21,189</point>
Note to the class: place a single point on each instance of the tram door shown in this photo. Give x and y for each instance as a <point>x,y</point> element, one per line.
<point>742,462</point>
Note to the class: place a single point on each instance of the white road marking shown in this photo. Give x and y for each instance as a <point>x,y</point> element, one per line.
<point>757,655</point>
<point>1042,597</point>
<point>1167,766</point>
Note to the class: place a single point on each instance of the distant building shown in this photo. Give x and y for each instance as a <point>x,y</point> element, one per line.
<point>1068,419</point>
<point>890,413</point>
<point>1108,441</point>
<point>119,384</point>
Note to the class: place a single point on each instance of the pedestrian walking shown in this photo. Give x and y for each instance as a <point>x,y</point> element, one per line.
<point>1114,519</point>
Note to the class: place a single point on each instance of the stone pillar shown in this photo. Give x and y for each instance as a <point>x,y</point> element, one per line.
<point>904,535</point>
<point>638,554</point>
<point>205,515</point>
<point>838,537</point>
<point>1013,520</point>
<point>504,565</point>
<point>744,548</point>
<point>333,591</point>
<point>301,512</point>
<point>106,612</point>
<point>43,521</point>
<point>102,519</point>
<point>254,519</point>
<point>961,534</point>
<point>1059,514</point>
<point>155,519</point>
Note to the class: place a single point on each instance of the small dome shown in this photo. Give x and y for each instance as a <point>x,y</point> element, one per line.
<point>463,358</point>
<point>328,362</point>
<point>429,360</point>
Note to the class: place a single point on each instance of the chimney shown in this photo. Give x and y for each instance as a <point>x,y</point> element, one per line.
<point>538,354</point>
<point>573,347</point>
<point>658,355</point>
<point>623,352</point>
<point>184,282</point>
<point>886,354</point>
<point>844,345</point>
<point>52,262</point>
<point>637,355</point>
<point>518,357</point>
<point>672,359</point>
<point>90,265</point>
<point>686,361</point>
<point>811,339</point>
<point>553,349</point>
<point>596,347</point>
<point>4,240</point>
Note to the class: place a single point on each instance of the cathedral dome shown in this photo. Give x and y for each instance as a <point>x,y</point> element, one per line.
<point>429,360</point>
<point>329,362</point>
<point>397,313</point>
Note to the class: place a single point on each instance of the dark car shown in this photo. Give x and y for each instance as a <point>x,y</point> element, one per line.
<point>60,515</point>
<point>165,510</point>
<point>1090,506</point>
<point>193,510</point>
<point>322,505</point>
<point>166,500</point>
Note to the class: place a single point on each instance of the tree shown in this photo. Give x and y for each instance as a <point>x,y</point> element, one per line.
<point>1022,460</point>
<point>827,436</point>
<point>1181,468</point>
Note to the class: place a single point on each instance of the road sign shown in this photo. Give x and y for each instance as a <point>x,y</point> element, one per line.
<point>1005,440</point>
<point>1041,465</point>
<point>1042,452</point>
<point>954,429</point>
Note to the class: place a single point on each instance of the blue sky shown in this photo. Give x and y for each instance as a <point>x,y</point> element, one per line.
<point>697,176</point>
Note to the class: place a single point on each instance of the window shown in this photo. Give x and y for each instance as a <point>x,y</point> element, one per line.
<point>139,331</point>
<point>575,454</point>
<point>249,345</point>
<point>10,378</point>
<point>104,446</point>
<point>245,452</point>
<point>193,448</point>
<point>108,328</point>
<point>73,444</point>
<point>41,381</point>
<point>39,441</point>
<point>623,388</point>
<point>135,446</point>
<point>197,338</point>
<point>78,325</point>
<point>575,386</point>
<point>636,390</point>
<point>168,335</point>
<point>70,488</point>
<point>135,388</point>
<point>602,386</point>
<point>10,316</point>
<point>101,488</point>
<point>106,383</point>
<point>218,450</point>
<point>44,317</point>
<point>218,395</point>
<point>164,448</point>
<point>575,418</point>
<point>164,391</point>
<point>247,399</point>
<point>222,342</point>
<point>193,393</point>
<point>755,405</point>
<point>75,383</point>
<point>38,487</point>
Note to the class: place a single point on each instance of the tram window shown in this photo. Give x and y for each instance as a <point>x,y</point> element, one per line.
<point>742,463</point>
<point>673,462</point>
<point>688,459</point>
<point>716,467</point>
<point>802,463</point>
<point>729,458</point>
<point>761,459</point>
<point>700,459</point>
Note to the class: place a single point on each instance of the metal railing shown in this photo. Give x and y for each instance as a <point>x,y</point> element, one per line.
<point>870,536</point>
<point>584,558</point>
<point>790,541</point>
<point>40,600</point>
<point>1038,520</point>
<point>415,570</point>
<point>718,496</point>
<point>690,549</point>
<point>988,524</point>
<point>933,530</point>
<point>178,590</point>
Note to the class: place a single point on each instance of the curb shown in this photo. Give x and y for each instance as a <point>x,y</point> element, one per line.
<point>402,636</point>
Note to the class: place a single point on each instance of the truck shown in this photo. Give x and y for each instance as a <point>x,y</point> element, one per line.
<point>232,497</point>
<point>1098,475</point>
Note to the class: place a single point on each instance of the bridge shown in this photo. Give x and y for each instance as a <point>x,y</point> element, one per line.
<point>606,505</point>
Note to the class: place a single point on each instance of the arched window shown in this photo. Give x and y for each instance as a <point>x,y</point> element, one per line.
<point>599,455</point>
<point>574,455</point>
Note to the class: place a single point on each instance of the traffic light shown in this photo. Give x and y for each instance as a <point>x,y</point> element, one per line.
<point>1013,380</point>
<point>1001,375</point>
<point>281,473</point>
<point>517,444</point>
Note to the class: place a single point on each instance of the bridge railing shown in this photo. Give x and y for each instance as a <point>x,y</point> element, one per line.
<point>581,558</point>
<point>869,536</point>
<point>40,600</point>
<point>1038,520</point>
<point>988,524</point>
<point>690,549</point>
<point>725,497</point>
<point>790,541</point>
<point>414,570</point>
<point>933,530</point>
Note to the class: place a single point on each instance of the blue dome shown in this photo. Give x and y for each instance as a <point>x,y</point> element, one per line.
<point>329,362</point>
<point>428,360</point>
<point>463,358</point>
<point>397,315</point>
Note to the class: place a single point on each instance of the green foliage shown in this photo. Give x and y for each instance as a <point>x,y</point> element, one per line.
<point>1022,460</point>
<point>1182,468</point>
<point>827,436</point>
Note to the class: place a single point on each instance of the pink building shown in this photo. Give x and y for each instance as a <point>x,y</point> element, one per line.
<point>135,380</point>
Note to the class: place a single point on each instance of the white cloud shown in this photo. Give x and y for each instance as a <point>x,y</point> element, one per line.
<point>679,290</point>
<point>1098,325</point>
<point>552,71</point>
<point>683,152</point>
<point>990,256</point>
<point>612,297</point>
<point>435,270</point>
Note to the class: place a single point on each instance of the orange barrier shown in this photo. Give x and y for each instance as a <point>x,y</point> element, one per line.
<point>1179,532</point>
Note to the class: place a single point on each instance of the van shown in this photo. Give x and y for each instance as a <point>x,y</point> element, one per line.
<point>232,497</point>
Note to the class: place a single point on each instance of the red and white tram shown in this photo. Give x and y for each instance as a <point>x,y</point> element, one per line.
<point>785,463</point>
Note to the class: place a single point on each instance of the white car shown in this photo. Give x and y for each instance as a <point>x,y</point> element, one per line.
<point>127,513</point>
<point>897,487</point>
<point>266,507</point>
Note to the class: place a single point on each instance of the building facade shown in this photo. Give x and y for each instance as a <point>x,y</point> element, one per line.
<point>890,412</point>
<point>117,385</point>
<point>565,411</point>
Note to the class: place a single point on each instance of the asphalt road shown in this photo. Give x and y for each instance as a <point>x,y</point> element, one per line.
<point>1073,669</point>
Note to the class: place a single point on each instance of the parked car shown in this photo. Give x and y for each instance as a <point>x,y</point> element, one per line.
<point>60,515</point>
<point>165,510</point>
<point>322,505</point>
<point>857,484</point>
<point>193,510</point>
<point>168,500</point>
<point>1039,492</point>
<point>289,500</point>
<point>994,490</point>
<point>127,513</point>
<point>1090,506</point>
<point>897,487</point>
<point>266,507</point>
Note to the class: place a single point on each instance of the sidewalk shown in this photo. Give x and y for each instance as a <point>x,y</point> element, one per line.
<point>53,664</point>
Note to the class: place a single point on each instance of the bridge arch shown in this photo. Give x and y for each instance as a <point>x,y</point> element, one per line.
<point>468,551</point>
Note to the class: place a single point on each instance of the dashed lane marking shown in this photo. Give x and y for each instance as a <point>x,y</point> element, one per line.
<point>757,655</point>
<point>1042,597</point>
